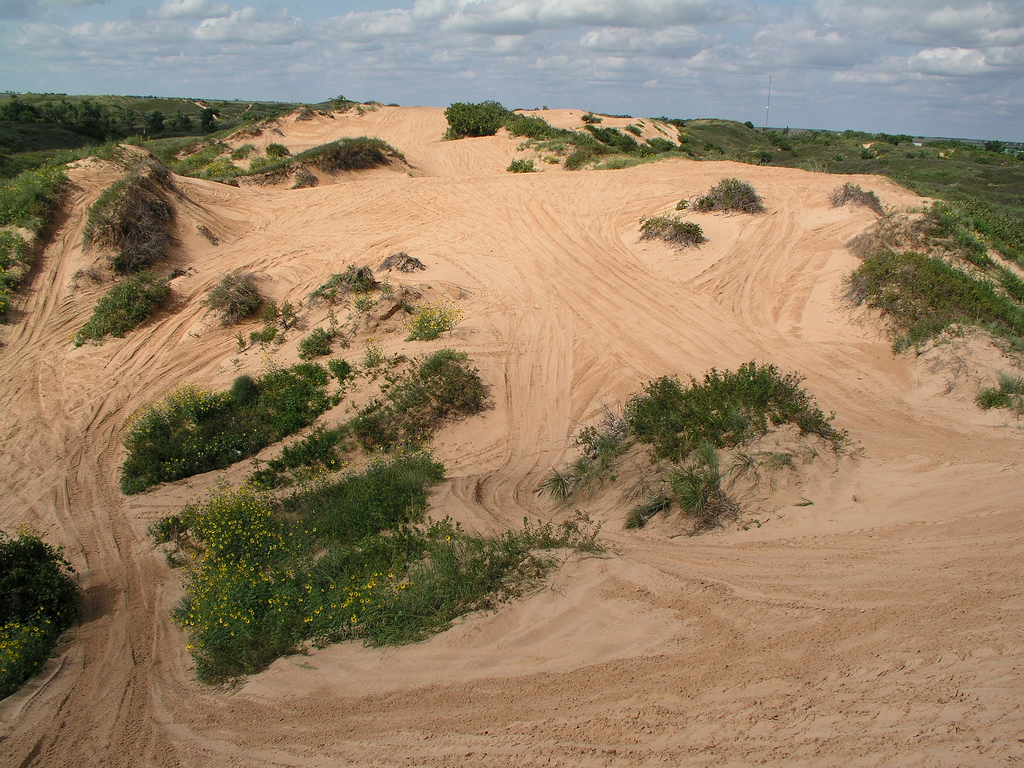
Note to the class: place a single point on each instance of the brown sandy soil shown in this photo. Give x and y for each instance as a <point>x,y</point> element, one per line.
<point>880,626</point>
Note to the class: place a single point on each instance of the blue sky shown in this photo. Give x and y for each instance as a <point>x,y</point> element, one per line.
<point>926,67</point>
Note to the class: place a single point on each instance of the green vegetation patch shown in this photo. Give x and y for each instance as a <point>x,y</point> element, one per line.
<point>124,307</point>
<point>521,166</point>
<point>30,199</point>
<point>672,230</point>
<point>15,262</point>
<point>195,430</point>
<point>923,296</point>
<point>350,559</point>
<point>686,425</point>
<point>431,320</point>
<point>730,195</point>
<point>132,217</point>
<point>235,297</point>
<point>1008,394</point>
<point>39,600</point>
<point>855,195</point>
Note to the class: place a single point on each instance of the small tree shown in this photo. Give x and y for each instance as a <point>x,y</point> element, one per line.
<point>483,119</point>
<point>154,122</point>
<point>207,117</point>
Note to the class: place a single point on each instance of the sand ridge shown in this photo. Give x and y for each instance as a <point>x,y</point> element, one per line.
<point>878,626</point>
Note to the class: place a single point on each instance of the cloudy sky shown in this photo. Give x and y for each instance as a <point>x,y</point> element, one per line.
<point>925,67</point>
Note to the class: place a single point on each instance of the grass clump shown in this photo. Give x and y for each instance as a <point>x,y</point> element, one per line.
<point>698,487</point>
<point>195,430</point>
<point>349,559</point>
<point>30,198</point>
<point>521,166</point>
<point>672,230</point>
<point>39,600</point>
<point>132,218</point>
<point>1008,394</point>
<point>855,195</point>
<point>923,296</point>
<point>430,321</point>
<point>277,151</point>
<point>642,513</point>
<point>15,262</point>
<point>724,409</point>
<point>580,158</point>
<point>124,307</point>
<point>441,387</point>
<point>235,297</point>
<point>316,344</point>
<point>348,154</point>
<point>730,195</point>
<point>353,280</point>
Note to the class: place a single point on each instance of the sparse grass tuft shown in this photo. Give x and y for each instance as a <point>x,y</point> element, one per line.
<point>698,487</point>
<point>1008,394</point>
<point>641,514</point>
<point>124,307</point>
<point>672,230</point>
<point>316,344</point>
<point>521,166</point>
<point>730,195</point>
<point>235,297</point>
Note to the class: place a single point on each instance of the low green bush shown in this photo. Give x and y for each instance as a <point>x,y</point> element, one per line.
<point>1008,394</point>
<point>235,297</point>
<point>672,230</point>
<point>30,199</point>
<point>580,158</point>
<point>855,195</point>
<point>431,320</point>
<point>316,344</point>
<point>724,409</point>
<point>277,151</point>
<point>521,166</point>
<point>39,600</point>
<point>730,195</point>
<point>195,430</point>
<point>348,154</point>
<point>15,262</point>
<point>353,280</point>
<point>124,307</point>
<point>471,120</point>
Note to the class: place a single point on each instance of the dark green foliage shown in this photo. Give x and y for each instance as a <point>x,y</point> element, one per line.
<point>672,230</point>
<point>1009,394</point>
<point>535,128</point>
<point>442,387</point>
<point>316,344</point>
<point>661,145</point>
<point>244,390</point>
<point>725,409</point>
<point>235,297</point>
<point>340,369</point>
<point>614,139</point>
<point>277,151</point>
<point>521,166</point>
<point>132,217</point>
<point>468,120</point>
<point>39,600</point>
<point>590,118</point>
<point>124,307</point>
<point>635,130</point>
<point>923,296</point>
<point>194,430</point>
<point>730,195</point>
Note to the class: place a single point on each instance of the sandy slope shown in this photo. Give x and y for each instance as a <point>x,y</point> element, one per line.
<point>880,626</point>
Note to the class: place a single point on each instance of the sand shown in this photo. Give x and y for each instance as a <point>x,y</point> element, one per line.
<point>880,625</point>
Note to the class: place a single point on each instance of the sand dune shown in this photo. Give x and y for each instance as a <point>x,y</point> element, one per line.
<point>880,626</point>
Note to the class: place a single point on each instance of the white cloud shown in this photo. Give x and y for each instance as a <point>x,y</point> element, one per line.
<point>673,42</point>
<point>955,62</point>
<point>191,9</point>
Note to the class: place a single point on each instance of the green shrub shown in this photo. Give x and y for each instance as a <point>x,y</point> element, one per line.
<point>521,166</point>
<point>923,296</point>
<point>430,321</point>
<point>348,154</point>
<point>590,118</point>
<point>672,230</point>
<point>440,388</point>
<point>265,335</point>
<point>340,369</point>
<point>243,152</point>
<point>39,600</point>
<point>30,199</point>
<point>1009,394</point>
<point>353,280</point>
<point>698,487</point>
<point>725,409</point>
<point>277,151</point>
<point>852,193</point>
<point>730,195</point>
<point>468,120</point>
<point>132,217</point>
<point>235,297</point>
<point>580,158</point>
<point>316,344</point>
<point>195,430</point>
<point>614,139</point>
<point>15,261</point>
<point>124,307</point>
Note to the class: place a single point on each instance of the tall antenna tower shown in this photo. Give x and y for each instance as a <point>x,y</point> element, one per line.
<point>769,102</point>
